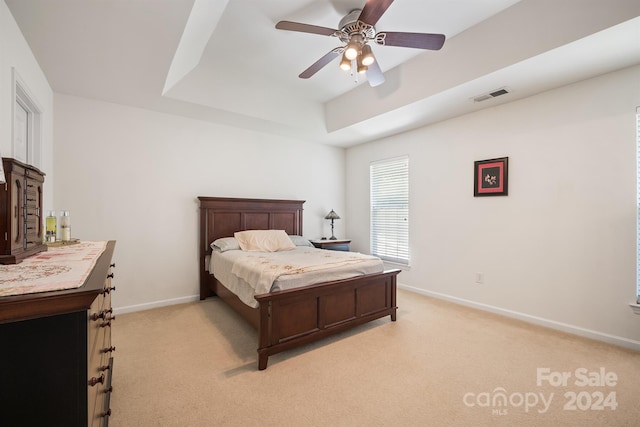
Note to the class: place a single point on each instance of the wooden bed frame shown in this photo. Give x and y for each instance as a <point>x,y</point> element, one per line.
<point>295,317</point>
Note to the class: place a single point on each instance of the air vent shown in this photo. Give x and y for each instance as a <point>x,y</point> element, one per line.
<point>490,95</point>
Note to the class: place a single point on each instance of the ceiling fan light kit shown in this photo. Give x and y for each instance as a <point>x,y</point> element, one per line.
<point>356,31</point>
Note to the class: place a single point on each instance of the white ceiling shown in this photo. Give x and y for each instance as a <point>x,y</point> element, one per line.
<point>224,61</point>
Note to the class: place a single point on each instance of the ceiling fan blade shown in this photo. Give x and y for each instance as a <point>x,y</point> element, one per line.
<point>415,40</point>
<point>320,63</point>
<point>373,10</point>
<point>305,28</point>
<point>374,74</point>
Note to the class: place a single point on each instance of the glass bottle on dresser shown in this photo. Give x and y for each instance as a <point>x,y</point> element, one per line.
<point>65,226</point>
<point>51,230</point>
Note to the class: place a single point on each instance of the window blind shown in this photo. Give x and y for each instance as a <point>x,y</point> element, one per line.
<point>390,209</point>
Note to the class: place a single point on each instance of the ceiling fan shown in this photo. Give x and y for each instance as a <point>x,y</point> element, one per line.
<point>356,31</point>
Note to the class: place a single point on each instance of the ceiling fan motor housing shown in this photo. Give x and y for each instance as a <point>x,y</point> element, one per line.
<point>350,26</point>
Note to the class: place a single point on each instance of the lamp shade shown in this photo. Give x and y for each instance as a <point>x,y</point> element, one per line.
<point>351,51</point>
<point>354,47</point>
<point>361,67</point>
<point>332,215</point>
<point>345,63</point>
<point>367,56</point>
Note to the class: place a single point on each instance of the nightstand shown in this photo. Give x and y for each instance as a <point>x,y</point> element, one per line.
<point>332,245</point>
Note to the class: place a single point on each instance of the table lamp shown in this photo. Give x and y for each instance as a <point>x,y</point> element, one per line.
<point>332,216</point>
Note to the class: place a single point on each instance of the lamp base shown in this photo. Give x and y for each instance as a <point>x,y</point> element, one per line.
<point>333,237</point>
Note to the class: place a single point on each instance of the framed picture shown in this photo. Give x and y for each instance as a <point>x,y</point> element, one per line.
<point>491,177</point>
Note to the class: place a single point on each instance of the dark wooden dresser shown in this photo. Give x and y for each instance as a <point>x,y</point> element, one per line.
<point>21,228</point>
<point>56,354</point>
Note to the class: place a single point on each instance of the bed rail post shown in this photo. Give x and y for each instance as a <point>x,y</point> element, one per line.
<point>394,305</point>
<point>264,334</point>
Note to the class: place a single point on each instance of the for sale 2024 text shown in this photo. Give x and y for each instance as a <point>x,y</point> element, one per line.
<point>596,400</point>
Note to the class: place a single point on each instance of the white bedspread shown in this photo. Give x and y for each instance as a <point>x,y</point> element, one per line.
<point>252,273</point>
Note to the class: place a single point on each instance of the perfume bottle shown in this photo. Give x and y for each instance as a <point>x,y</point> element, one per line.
<point>51,230</point>
<point>65,226</point>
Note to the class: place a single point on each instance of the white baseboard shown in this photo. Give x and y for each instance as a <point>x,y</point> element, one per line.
<point>155,304</point>
<point>572,329</point>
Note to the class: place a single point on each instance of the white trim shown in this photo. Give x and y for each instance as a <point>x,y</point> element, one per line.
<point>564,327</point>
<point>155,304</point>
<point>20,92</point>
<point>635,307</point>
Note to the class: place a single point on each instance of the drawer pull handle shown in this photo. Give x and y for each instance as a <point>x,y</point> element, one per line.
<point>104,368</point>
<point>107,323</point>
<point>108,349</point>
<point>108,290</point>
<point>102,314</point>
<point>110,276</point>
<point>108,390</point>
<point>93,381</point>
<point>113,265</point>
<point>107,413</point>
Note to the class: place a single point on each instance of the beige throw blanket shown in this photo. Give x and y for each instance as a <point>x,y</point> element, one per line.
<point>261,269</point>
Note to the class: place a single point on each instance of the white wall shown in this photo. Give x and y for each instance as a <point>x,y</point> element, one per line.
<point>133,175</point>
<point>560,249</point>
<point>15,54</point>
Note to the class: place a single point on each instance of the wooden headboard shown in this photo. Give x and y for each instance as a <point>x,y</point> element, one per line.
<point>223,216</point>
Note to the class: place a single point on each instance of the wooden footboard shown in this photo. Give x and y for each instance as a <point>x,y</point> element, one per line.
<point>299,316</point>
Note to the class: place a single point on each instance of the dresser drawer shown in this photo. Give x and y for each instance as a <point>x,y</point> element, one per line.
<point>99,389</point>
<point>103,400</point>
<point>100,356</point>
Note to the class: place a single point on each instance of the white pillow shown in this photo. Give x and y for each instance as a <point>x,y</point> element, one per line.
<point>225,244</point>
<point>264,240</point>
<point>300,241</point>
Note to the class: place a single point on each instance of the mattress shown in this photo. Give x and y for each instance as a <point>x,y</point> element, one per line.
<point>247,274</point>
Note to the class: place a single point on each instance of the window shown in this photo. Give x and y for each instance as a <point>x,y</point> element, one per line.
<point>21,132</point>
<point>26,124</point>
<point>638,205</point>
<point>390,209</point>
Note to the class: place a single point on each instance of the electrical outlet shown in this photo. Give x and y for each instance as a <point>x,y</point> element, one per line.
<point>479,278</point>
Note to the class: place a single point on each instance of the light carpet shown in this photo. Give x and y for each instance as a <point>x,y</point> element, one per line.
<point>440,364</point>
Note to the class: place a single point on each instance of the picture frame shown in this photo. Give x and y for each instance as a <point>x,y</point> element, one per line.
<point>491,177</point>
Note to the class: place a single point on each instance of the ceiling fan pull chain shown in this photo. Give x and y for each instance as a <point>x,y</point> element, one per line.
<point>354,72</point>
